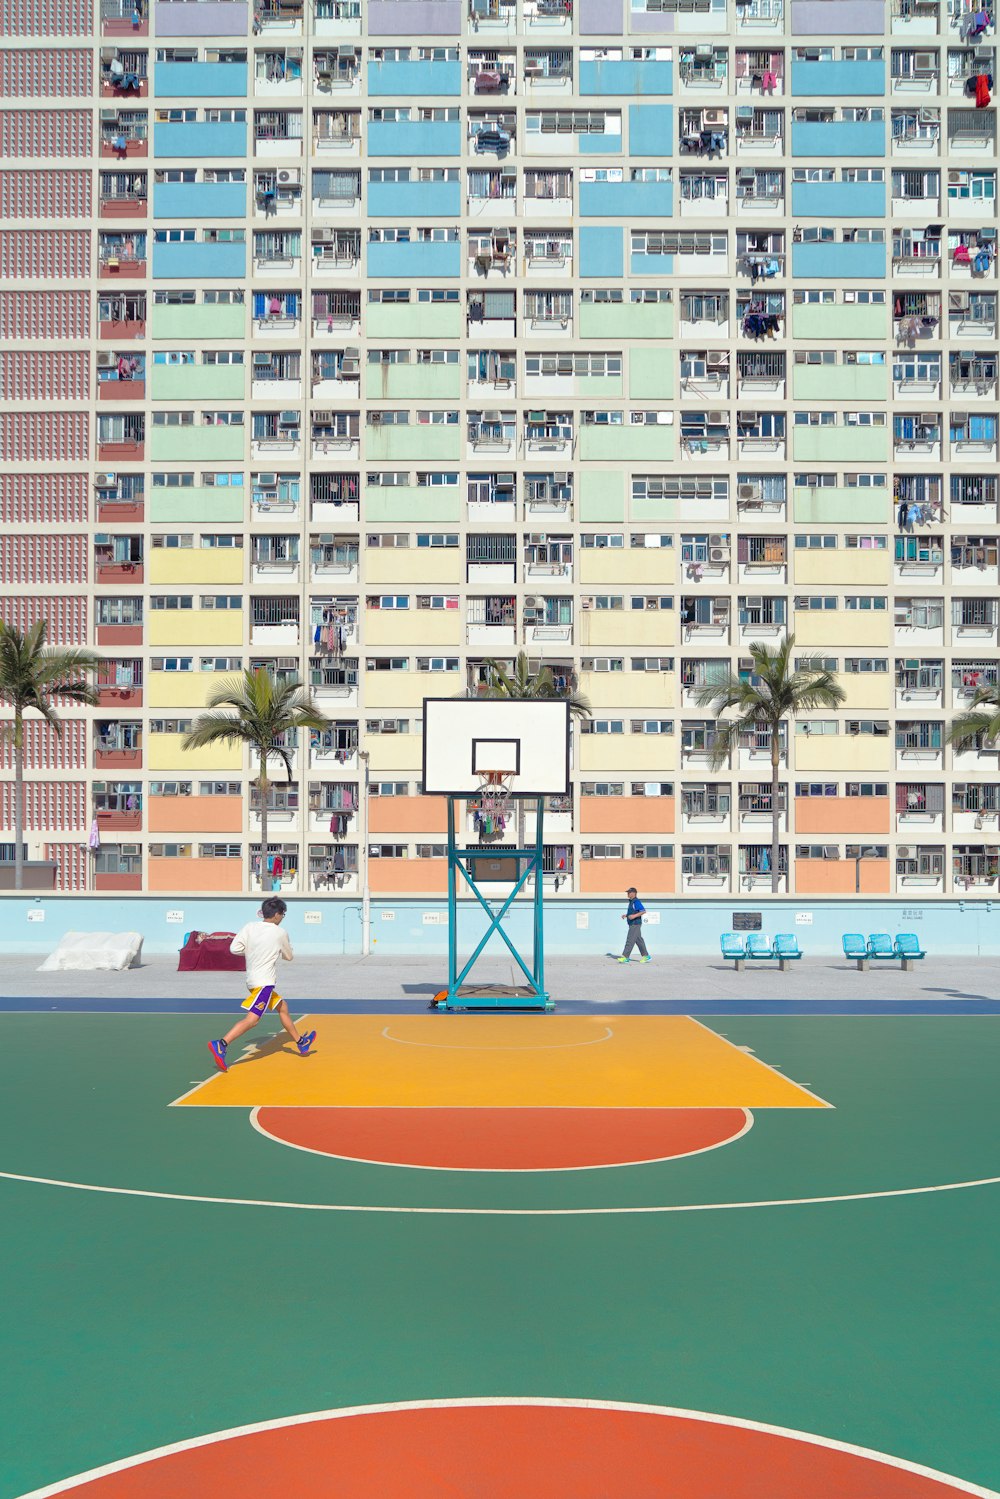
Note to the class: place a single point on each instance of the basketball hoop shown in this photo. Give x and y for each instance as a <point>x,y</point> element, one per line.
<point>494,798</point>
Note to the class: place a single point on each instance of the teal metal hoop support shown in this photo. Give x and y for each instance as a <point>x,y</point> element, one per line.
<point>460,994</point>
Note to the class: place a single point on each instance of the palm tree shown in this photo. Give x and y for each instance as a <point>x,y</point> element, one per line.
<point>33,675</point>
<point>260,712</point>
<point>773,693</point>
<point>982,717</point>
<point>522,685</point>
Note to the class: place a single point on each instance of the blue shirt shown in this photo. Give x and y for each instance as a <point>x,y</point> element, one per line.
<point>635,908</point>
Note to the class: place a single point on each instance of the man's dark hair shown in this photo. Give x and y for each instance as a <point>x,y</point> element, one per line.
<point>631,890</point>
<point>273,906</point>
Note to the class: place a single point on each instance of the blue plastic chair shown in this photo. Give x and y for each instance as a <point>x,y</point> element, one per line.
<point>733,949</point>
<point>786,946</point>
<point>908,949</point>
<point>880,946</point>
<point>855,949</point>
<point>759,946</point>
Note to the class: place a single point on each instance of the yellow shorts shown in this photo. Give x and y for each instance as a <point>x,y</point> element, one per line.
<point>262,999</point>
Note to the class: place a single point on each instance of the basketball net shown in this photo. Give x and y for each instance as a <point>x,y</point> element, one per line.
<point>494,800</point>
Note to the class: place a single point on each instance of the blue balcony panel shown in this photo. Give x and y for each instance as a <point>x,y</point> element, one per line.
<point>601,145</point>
<point>602,251</point>
<point>201,80</point>
<point>612,200</point>
<point>414,260</point>
<point>651,265</point>
<point>414,79</point>
<point>411,138</point>
<point>195,258</point>
<point>199,139</point>
<point>834,138</point>
<point>630,79</point>
<point>837,78</point>
<point>650,129</point>
<point>414,200</point>
<point>199,200</point>
<point>839,200</point>
<point>832,262</point>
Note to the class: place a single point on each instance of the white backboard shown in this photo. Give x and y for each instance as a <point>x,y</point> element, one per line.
<point>463,736</point>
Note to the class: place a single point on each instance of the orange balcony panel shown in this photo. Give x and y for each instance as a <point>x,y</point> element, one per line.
<point>126,759</point>
<point>115,90</point>
<point>108,510</point>
<point>123,208</point>
<point>407,814</point>
<point>204,876</point>
<point>122,26</point>
<point>119,572</point>
<point>115,821</point>
<point>839,816</point>
<point>117,881</point>
<point>131,328</point>
<point>408,876</point>
<point>181,814</point>
<point>121,270</point>
<point>132,148</point>
<point>119,634</point>
<point>121,390</point>
<point>837,876</point>
<point>613,877</point>
<point>627,814</point>
<point>119,697</point>
<point>120,452</point>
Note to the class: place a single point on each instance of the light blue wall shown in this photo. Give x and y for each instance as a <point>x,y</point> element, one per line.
<point>414,200</point>
<point>199,200</point>
<point>829,262</point>
<point>841,77</point>
<point>651,265</point>
<point>413,79</point>
<point>613,200</point>
<point>198,139</point>
<point>419,260</point>
<point>610,76</point>
<point>839,200</point>
<point>945,927</point>
<point>411,138</point>
<point>186,261</point>
<point>838,138</point>
<point>602,250</point>
<point>650,129</point>
<point>601,145</point>
<point>200,80</point>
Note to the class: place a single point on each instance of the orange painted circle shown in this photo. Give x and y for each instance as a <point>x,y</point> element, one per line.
<point>521,1451</point>
<point>503,1139</point>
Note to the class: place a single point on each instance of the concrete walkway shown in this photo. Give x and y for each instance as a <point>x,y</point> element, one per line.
<point>594,979</point>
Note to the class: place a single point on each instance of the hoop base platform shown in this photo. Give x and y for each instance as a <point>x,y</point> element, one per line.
<point>492,997</point>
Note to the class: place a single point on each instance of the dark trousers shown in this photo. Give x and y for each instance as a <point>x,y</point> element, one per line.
<point>634,939</point>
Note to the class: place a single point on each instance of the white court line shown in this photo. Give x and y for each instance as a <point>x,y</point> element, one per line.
<point>592,1212</point>
<point>554,1046</point>
<point>650,1160</point>
<point>773,1070</point>
<point>710,1418</point>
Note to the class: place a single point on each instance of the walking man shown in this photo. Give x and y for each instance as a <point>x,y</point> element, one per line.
<point>633,916</point>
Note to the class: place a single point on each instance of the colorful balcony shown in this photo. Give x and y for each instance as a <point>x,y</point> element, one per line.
<point>839,77</point>
<point>615,200</point>
<point>201,80</point>
<point>199,200</point>
<point>199,139</point>
<point>835,201</point>
<point>413,138</point>
<point>845,261</point>
<point>413,262</point>
<point>190,260</point>
<point>413,80</point>
<point>209,18</point>
<point>831,139</point>
<point>414,18</point>
<point>410,200</point>
<point>202,321</point>
<point>842,18</point>
<point>605,75</point>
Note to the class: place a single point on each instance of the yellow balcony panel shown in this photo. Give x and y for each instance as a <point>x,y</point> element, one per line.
<point>407,689</point>
<point>625,754</point>
<point>866,690</point>
<point>397,568</point>
<point>830,754</point>
<point>412,629</point>
<point>394,752</point>
<point>640,690</point>
<point>652,629</point>
<point>192,566</point>
<point>842,566</point>
<point>863,629</point>
<point>628,566</point>
<point>164,752</point>
<point>180,689</point>
<point>199,627</point>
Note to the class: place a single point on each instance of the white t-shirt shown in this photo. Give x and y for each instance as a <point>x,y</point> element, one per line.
<point>262,942</point>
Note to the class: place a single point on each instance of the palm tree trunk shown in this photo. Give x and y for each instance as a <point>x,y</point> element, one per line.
<point>775,807</point>
<point>18,799</point>
<point>262,788</point>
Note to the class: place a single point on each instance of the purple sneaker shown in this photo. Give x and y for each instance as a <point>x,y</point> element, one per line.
<point>305,1042</point>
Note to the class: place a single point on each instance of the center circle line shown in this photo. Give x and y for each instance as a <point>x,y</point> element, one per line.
<point>554,1046</point>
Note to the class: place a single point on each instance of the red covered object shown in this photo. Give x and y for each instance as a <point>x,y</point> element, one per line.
<point>982,91</point>
<point>210,950</point>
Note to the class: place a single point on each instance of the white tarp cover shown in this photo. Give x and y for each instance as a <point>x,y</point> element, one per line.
<point>94,951</point>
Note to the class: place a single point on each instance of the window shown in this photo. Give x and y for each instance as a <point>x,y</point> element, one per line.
<point>652,725</point>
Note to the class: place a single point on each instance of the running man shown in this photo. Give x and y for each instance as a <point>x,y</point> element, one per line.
<point>263,942</point>
<point>633,916</point>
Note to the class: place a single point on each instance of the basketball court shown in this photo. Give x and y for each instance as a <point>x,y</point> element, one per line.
<point>639,1249</point>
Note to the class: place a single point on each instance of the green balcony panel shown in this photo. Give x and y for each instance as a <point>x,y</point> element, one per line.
<point>650,375</point>
<point>651,512</point>
<point>835,507</point>
<point>437,382</point>
<point>602,496</point>
<point>197,444</point>
<point>840,382</point>
<point>629,320</point>
<point>203,320</point>
<point>196,504</point>
<point>840,321</point>
<point>390,444</point>
<point>402,321</point>
<point>840,444</point>
<point>615,444</point>
<point>198,382</point>
<point>440,505</point>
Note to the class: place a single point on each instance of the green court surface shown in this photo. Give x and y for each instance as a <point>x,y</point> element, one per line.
<point>829,1271</point>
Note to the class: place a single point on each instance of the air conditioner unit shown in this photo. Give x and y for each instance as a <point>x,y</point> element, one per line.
<point>106,361</point>
<point>715,418</point>
<point>928,419</point>
<point>746,174</point>
<point>983,55</point>
<point>925,62</point>
<point>718,540</point>
<point>561,477</point>
<point>109,116</point>
<point>105,481</point>
<point>262,360</point>
<point>956,175</point>
<point>505,480</point>
<point>937,556</point>
<point>322,418</point>
<point>267,481</point>
<point>131,848</point>
<point>905,851</point>
<point>586,604</point>
<point>718,554</point>
<point>289,419</point>
<point>747,491</point>
<point>324,236</point>
<point>289,176</point>
<point>534,602</point>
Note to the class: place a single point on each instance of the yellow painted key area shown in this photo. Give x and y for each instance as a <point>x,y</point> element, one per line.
<point>504,1061</point>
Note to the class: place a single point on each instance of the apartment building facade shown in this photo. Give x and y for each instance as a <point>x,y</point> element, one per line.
<point>370,342</point>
